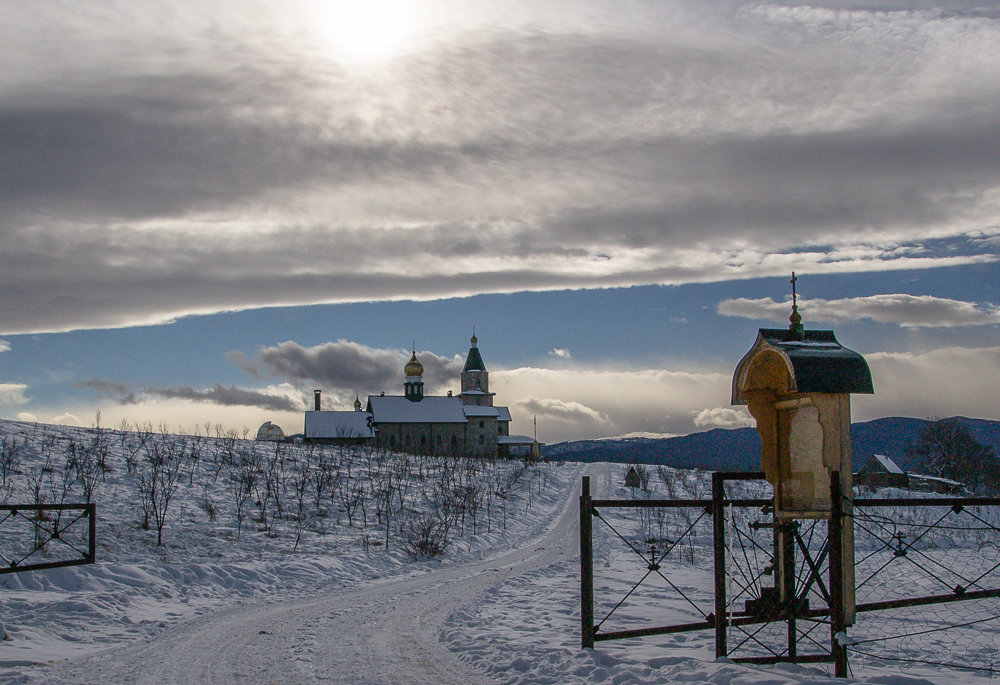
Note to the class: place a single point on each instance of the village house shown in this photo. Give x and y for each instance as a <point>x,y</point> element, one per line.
<point>880,471</point>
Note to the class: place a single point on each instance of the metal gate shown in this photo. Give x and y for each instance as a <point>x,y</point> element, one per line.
<point>778,587</point>
<point>40,536</point>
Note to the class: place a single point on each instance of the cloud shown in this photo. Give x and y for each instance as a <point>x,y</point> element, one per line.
<point>723,417</point>
<point>13,393</point>
<point>189,415</point>
<point>4,346</point>
<point>278,399</point>
<point>559,410</point>
<point>950,381</point>
<point>201,163</point>
<point>347,367</point>
<point>579,403</point>
<point>27,416</point>
<point>574,404</point>
<point>119,392</point>
<point>909,311</point>
<point>560,352</point>
<point>227,396</point>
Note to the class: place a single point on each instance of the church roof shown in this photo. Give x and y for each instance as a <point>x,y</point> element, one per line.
<point>338,424</point>
<point>502,413</point>
<point>474,361</point>
<point>431,409</point>
<point>413,367</point>
<point>516,440</point>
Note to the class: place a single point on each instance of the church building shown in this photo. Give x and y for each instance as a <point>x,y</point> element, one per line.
<point>464,425</point>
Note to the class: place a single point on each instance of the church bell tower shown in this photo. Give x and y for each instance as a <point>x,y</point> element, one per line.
<point>476,379</point>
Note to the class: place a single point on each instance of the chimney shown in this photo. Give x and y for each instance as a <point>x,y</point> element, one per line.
<point>316,396</point>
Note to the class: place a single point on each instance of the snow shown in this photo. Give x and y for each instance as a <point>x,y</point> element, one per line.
<point>500,605</point>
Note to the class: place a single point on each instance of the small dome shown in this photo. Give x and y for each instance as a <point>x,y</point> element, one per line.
<point>357,403</point>
<point>270,431</point>
<point>413,367</point>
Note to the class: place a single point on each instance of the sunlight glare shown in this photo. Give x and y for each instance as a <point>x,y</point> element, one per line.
<point>365,30</point>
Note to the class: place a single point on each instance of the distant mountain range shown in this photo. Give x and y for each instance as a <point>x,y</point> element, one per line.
<point>739,449</point>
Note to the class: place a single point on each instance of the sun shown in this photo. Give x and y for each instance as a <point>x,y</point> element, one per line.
<point>365,30</point>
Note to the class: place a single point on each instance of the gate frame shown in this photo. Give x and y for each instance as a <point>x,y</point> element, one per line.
<point>89,557</point>
<point>719,619</point>
<point>843,510</point>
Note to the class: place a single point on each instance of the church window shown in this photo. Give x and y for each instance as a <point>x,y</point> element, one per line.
<point>482,424</point>
<point>482,440</point>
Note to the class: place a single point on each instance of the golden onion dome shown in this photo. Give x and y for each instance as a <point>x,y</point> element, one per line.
<point>413,367</point>
<point>357,403</point>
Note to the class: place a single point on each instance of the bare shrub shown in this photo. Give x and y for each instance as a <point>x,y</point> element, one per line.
<point>10,464</point>
<point>425,538</point>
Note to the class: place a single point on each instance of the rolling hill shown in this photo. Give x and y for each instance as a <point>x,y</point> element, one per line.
<point>739,449</point>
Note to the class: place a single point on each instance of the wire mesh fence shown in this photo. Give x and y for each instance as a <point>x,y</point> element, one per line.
<point>927,583</point>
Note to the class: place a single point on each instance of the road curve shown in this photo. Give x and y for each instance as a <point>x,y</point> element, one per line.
<point>380,632</point>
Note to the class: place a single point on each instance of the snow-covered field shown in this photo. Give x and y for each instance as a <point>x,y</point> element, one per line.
<point>321,588</point>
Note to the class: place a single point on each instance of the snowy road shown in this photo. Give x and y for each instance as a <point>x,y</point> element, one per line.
<point>382,632</point>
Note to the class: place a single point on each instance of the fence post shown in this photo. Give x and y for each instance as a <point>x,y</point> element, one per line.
<point>586,566</point>
<point>719,544</point>
<point>788,599</point>
<point>836,535</point>
<point>92,533</point>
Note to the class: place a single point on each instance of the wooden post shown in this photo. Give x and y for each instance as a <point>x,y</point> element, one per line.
<point>719,544</point>
<point>586,566</point>
<point>837,621</point>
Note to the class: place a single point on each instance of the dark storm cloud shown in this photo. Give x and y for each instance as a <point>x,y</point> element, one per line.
<point>347,366</point>
<point>227,397</point>
<point>178,169</point>
<point>218,394</point>
<point>119,392</point>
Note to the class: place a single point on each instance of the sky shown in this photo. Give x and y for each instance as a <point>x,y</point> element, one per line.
<point>207,210</point>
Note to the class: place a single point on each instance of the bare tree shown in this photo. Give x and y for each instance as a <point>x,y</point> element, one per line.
<point>947,449</point>
<point>301,480</point>
<point>87,463</point>
<point>10,464</point>
<point>159,477</point>
<point>242,481</point>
